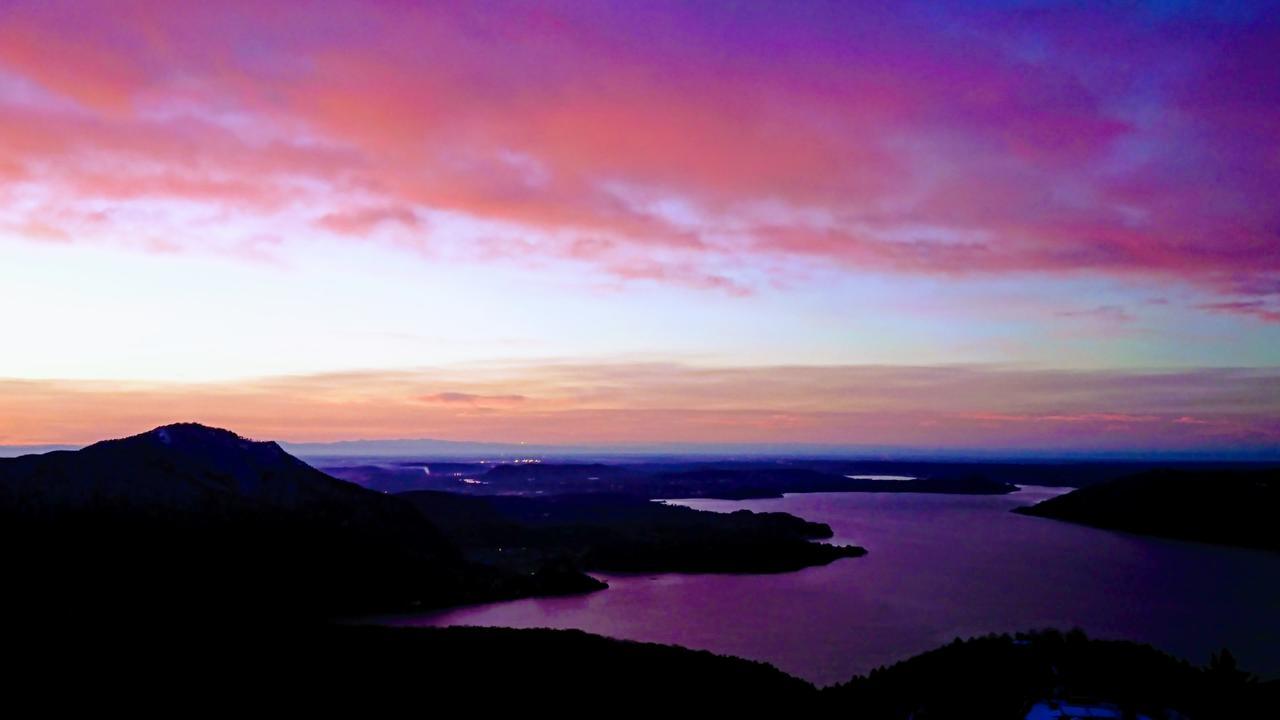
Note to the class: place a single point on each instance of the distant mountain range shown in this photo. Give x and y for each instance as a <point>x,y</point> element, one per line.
<point>450,449</point>
<point>9,451</point>
<point>498,451</point>
<point>473,450</point>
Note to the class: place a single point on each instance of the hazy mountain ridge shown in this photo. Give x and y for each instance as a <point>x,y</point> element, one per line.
<point>839,453</point>
<point>735,480</point>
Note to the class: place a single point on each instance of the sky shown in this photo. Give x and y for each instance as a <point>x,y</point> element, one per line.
<point>1025,225</point>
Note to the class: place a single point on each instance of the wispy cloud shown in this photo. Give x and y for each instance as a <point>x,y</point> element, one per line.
<point>1268,311</point>
<point>947,406</point>
<point>460,398</point>
<point>363,221</point>
<point>1104,313</point>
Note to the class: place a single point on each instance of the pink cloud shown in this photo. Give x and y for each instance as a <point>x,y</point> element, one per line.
<point>460,398</point>
<point>362,221</point>
<point>1063,141</point>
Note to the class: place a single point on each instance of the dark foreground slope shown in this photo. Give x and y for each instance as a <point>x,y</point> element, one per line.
<point>186,517</point>
<point>379,671</point>
<point>1228,508</point>
<point>1002,676</point>
<point>608,532</point>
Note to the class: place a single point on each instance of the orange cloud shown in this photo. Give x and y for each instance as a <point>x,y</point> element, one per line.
<point>935,407</point>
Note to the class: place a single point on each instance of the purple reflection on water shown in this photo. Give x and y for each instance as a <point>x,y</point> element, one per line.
<point>939,567</point>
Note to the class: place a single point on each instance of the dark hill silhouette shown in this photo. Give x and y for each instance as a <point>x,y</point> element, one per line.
<point>1003,676</point>
<point>610,532</point>
<point>1217,506</point>
<point>187,516</point>
<point>192,468</point>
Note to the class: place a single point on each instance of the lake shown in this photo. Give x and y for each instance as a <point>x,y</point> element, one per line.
<point>940,566</point>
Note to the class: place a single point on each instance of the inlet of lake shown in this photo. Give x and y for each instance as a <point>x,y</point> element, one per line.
<point>939,567</point>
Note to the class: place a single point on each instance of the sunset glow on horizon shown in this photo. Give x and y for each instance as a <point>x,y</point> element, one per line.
<point>1026,225</point>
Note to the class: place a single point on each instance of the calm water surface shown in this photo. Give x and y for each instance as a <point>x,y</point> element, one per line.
<point>939,567</point>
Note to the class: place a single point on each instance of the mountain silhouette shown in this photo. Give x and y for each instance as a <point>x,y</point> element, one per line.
<point>187,516</point>
<point>190,467</point>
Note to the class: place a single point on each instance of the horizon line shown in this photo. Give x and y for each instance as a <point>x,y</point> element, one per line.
<point>381,447</point>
